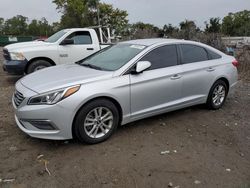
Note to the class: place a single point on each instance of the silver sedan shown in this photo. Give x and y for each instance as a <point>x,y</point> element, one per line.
<point>126,82</point>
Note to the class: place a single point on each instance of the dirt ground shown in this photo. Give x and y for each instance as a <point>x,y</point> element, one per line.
<point>207,149</point>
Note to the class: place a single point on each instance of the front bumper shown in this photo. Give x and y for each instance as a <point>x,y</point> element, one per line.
<point>14,67</point>
<point>59,117</point>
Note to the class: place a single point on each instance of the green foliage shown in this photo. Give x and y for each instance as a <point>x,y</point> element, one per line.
<point>16,25</point>
<point>237,24</point>
<point>83,13</point>
<point>40,28</point>
<point>169,29</point>
<point>213,26</point>
<point>142,30</point>
<point>144,26</point>
<point>75,13</point>
<point>188,28</point>
<point>19,25</point>
<point>1,25</point>
<point>115,18</point>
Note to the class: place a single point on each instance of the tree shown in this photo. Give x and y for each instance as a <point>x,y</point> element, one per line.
<point>16,25</point>
<point>213,26</point>
<point>169,29</point>
<point>1,25</point>
<point>188,25</point>
<point>83,13</point>
<point>33,28</point>
<point>115,18</point>
<point>237,24</point>
<point>40,27</point>
<point>188,29</point>
<point>142,30</point>
<point>76,13</point>
<point>55,27</point>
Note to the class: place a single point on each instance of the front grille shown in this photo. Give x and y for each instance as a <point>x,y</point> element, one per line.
<point>6,54</point>
<point>18,98</point>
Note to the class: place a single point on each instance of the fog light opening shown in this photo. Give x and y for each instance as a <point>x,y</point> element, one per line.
<point>42,124</point>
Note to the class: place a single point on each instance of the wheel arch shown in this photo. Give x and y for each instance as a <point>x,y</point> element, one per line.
<point>209,97</point>
<point>223,78</point>
<point>114,101</point>
<point>39,58</point>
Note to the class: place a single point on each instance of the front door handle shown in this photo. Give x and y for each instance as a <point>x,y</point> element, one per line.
<point>175,77</point>
<point>210,69</point>
<point>90,48</point>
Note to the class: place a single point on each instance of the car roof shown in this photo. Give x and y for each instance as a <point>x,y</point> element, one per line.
<point>160,41</point>
<point>152,41</point>
<point>78,29</point>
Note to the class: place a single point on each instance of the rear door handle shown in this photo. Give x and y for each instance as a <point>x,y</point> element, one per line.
<point>175,77</point>
<point>90,48</point>
<point>210,69</point>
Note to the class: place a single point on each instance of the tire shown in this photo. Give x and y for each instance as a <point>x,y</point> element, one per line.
<point>214,102</point>
<point>37,65</point>
<point>89,122</point>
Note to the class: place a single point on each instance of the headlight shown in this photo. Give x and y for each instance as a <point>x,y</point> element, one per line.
<point>17,56</point>
<point>54,96</point>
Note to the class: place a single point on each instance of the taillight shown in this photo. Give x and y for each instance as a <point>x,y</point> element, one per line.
<point>235,63</point>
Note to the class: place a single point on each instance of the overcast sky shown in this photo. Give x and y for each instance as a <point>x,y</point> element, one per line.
<point>157,12</point>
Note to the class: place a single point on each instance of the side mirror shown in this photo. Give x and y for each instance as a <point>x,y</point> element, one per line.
<point>67,42</point>
<point>142,66</point>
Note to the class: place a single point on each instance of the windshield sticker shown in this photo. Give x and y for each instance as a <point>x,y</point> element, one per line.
<point>140,47</point>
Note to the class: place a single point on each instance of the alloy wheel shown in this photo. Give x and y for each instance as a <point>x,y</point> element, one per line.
<point>219,95</point>
<point>98,122</point>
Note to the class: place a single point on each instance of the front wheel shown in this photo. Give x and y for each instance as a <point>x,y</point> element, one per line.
<point>38,65</point>
<point>217,95</point>
<point>96,121</point>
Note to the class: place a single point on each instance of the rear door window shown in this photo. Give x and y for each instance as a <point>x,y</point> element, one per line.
<point>193,53</point>
<point>162,57</point>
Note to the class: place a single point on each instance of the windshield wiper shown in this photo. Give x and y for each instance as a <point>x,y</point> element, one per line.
<point>91,66</point>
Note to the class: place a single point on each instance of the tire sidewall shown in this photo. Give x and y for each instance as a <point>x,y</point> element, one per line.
<point>79,130</point>
<point>31,68</point>
<point>210,97</point>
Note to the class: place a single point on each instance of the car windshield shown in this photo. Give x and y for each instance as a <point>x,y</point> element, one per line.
<point>55,37</point>
<point>112,58</point>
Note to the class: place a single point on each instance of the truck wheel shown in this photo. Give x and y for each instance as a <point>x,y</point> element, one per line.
<point>38,65</point>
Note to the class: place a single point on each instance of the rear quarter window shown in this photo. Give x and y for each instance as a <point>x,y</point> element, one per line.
<point>213,55</point>
<point>193,53</point>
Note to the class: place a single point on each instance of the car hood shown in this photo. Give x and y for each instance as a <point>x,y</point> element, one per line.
<point>62,76</point>
<point>21,46</point>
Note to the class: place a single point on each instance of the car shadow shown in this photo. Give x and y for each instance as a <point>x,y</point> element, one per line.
<point>12,79</point>
<point>74,143</point>
<point>164,116</point>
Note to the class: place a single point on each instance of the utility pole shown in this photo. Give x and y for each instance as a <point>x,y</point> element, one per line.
<point>98,13</point>
<point>98,20</point>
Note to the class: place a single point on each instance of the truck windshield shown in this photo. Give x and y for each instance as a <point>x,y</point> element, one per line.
<point>112,58</point>
<point>55,37</point>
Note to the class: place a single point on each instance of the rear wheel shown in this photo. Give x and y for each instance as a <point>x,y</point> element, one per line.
<point>96,121</point>
<point>217,95</point>
<point>38,65</point>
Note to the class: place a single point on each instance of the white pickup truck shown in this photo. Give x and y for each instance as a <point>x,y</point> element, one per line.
<point>65,46</point>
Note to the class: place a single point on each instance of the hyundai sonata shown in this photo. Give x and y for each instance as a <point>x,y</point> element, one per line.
<point>126,82</point>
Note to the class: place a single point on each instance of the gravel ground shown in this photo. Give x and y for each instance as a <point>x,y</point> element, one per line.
<point>202,149</point>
